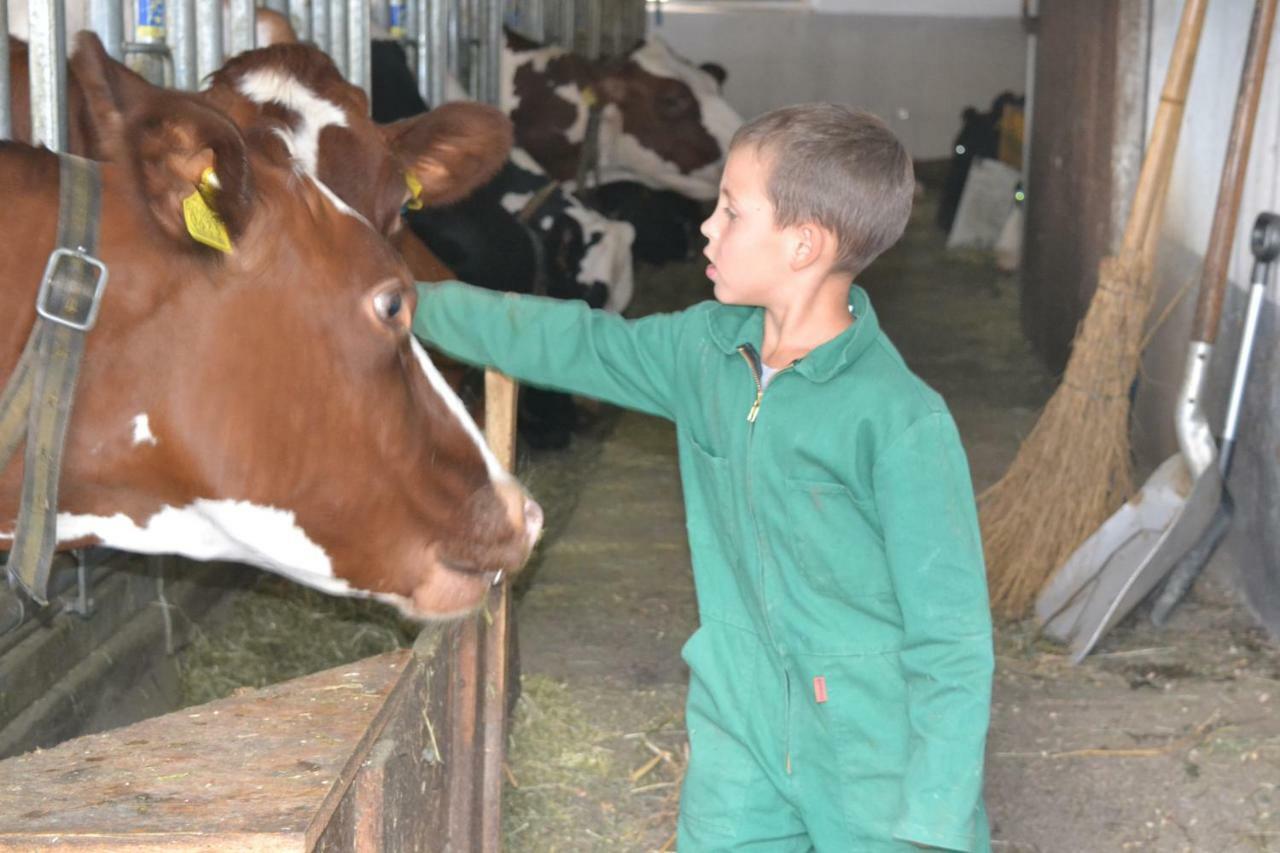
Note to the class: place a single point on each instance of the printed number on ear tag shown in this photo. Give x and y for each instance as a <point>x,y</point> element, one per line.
<point>203,223</point>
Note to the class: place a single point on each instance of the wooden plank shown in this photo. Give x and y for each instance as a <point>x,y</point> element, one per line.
<point>263,770</point>
<point>501,396</point>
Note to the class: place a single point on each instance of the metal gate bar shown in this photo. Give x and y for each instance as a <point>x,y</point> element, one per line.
<point>47,64</point>
<point>6,122</point>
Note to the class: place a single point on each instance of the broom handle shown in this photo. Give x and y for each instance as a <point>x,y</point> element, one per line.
<point>1168,123</point>
<point>1217,259</point>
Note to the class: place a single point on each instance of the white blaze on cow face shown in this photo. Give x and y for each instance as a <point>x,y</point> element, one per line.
<point>497,473</point>
<point>142,433</point>
<point>267,86</point>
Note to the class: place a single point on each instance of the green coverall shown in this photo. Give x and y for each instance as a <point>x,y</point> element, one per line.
<point>840,680</point>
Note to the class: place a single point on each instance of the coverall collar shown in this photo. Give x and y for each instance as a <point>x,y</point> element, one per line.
<point>731,326</point>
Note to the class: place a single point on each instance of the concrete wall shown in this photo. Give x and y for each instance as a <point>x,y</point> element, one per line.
<point>916,63</point>
<point>1255,481</point>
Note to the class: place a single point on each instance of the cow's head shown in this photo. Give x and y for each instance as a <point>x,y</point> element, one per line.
<point>267,405</point>
<point>664,124</point>
<point>449,151</point>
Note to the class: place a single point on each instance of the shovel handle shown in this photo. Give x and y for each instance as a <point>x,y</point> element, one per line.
<point>1217,257</point>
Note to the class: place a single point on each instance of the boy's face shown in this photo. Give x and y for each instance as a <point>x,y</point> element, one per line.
<point>749,256</point>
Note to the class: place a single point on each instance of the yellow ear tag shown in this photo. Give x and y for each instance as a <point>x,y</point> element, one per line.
<point>203,223</point>
<point>589,97</point>
<point>415,187</point>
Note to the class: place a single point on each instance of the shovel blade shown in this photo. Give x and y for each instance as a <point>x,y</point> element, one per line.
<point>1124,539</point>
<point>1104,611</point>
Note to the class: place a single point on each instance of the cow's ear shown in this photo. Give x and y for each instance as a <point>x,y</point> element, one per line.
<point>453,149</point>
<point>172,144</point>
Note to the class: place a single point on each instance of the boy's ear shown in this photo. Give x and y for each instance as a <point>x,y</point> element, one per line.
<point>808,245</point>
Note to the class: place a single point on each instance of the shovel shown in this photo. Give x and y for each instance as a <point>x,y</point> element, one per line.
<point>1132,551</point>
<point>1265,244</point>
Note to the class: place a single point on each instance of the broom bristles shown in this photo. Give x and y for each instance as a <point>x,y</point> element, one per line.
<point>1074,469</point>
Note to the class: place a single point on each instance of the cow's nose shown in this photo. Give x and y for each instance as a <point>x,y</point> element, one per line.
<point>533,519</point>
<point>522,510</point>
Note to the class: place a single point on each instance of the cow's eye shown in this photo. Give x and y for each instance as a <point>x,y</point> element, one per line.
<point>387,305</point>
<point>391,306</point>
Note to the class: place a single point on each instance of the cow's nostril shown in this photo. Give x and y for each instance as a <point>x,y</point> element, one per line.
<point>533,518</point>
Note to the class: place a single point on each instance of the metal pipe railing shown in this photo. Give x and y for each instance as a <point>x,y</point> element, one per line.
<point>6,85</point>
<point>208,37</point>
<point>337,48</point>
<point>106,18</point>
<point>243,32</point>
<point>299,13</point>
<point>320,24</point>
<point>594,15</point>
<point>359,69</point>
<point>490,49</point>
<point>566,24</point>
<point>182,44</point>
<point>436,40</point>
<point>47,65</point>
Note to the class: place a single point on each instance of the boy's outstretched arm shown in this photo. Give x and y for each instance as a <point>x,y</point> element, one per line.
<point>925,499</point>
<point>558,344</point>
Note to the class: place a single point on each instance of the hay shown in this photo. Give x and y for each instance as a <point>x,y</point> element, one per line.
<point>1074,470</point>
<point>277,630</point>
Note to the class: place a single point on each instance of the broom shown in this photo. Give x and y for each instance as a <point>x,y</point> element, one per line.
<point>1074,468</point>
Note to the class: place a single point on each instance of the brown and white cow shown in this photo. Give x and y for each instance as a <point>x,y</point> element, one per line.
<point>664,122</point>
<point>268,406</point>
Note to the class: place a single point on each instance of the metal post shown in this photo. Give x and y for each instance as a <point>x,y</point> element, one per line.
<point>320,30</point>
<point>535,20</point>
<point>47,66</point>
<point>300,18</point>
<point>486,35</point>
<point>148,52</point>
<point>182,43</point>
<point>208,37</point>
<point>338,34</point>
<point>593,29</point>
<point>436,15</point>
<point>243,35</point>
<point>359,69</point>
<point>493,43</point>
<point>106,18</point>
<point>567,25</point>
<point>6,123</point>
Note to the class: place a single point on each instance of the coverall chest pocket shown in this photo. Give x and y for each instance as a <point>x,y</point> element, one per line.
<point>836,541</point>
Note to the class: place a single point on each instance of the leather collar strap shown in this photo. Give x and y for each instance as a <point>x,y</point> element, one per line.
<point>36,404</point>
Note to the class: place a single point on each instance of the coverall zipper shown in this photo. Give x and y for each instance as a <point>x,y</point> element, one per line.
<point>752,358</point>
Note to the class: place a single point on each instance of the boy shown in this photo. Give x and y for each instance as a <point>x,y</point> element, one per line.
<point>840,677</point>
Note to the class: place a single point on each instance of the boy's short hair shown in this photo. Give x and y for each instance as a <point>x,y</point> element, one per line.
<point>838,167</point>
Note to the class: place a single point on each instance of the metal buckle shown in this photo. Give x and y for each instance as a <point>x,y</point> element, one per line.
<point>80,321</point>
